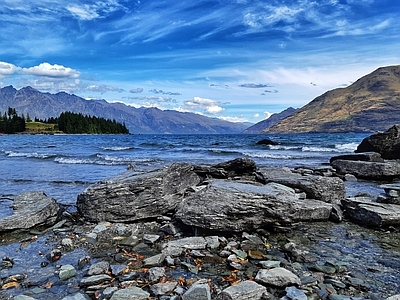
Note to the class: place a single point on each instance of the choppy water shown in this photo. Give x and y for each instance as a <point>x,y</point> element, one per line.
<point>64,165</point>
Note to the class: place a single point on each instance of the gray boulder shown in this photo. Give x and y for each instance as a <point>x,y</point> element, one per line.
<point>386,143</point>
<point>234,206</point>
<point>132,197</point>
<point>326,189</point>
<point>368,170</point>
<point>244,290</point>
<point>31,209</point>
<point>365,211</point>
<point>279,277</point>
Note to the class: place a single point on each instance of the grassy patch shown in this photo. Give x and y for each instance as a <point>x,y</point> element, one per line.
<point>39,127</point>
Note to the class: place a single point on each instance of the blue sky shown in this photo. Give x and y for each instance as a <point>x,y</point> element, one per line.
<point>238,60</point>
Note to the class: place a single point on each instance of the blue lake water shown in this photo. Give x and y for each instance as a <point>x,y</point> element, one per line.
<point>64,165</point>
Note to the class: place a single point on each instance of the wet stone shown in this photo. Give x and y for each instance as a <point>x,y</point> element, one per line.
<point>95,279</point>
<point>67,272</point>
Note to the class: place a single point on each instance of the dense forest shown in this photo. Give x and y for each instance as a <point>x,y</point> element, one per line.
<point>67,122</point>
<point>11,122</point>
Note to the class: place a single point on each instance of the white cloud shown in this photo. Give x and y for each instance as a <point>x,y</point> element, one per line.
<point>256,116</point>
<point>7,69</point>
<point>234,119</point>
<point>209,106</point>
<point>214,109</point>
<point>48,70</point>
<point>267,114</point>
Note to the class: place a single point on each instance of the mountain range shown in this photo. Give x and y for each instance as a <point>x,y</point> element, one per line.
<point>272,120</point>
<point>370,104</point>
<point>29,101</point>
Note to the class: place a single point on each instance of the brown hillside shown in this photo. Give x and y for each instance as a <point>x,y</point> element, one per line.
<point>370,104</point>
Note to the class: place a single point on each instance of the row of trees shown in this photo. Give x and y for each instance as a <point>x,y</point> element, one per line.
<point>67,122</point>
<point>10,122</point>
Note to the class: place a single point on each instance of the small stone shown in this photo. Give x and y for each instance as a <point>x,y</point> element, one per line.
<point>55,255</point>
<point>212,242</point>
<point>241,254</point>
<point>133,293</point>
<point>109,291</point>
<point>191,268</point>
<point>99,268</point>
<point>295,293</point>
<point>150,238</point>
<point>163,288</point>
<point>324,269</point>
<point>279,277</point>
<point>196,254</point>
<point>169,261</point>
<point>154,261</point>
<point>67,272</point>
<point>117,270</point>
<point>268,264</point>
<point>244,290</point>
<point>67,243</point>
<point>96,279</point>
<point>156,273</point>
<point>200,290</point>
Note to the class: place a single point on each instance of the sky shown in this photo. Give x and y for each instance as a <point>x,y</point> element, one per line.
<point>237,60</point>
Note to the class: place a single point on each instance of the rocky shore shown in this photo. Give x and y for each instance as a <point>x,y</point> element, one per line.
<point>227,231</point>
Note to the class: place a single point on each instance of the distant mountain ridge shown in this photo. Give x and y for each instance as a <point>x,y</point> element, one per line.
<point>40,105</point>
<point>272,120</point>
<point>370,104</point>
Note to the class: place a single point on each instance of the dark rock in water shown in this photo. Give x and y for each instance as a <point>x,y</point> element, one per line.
<point>31,209</point>
<point>327,189</point>
<point>368,170</point>
<point>367,212</point>
<point>368,156</point>
<point>233,206</point>
<point>131,196</point>
<point>266,142</point>
<point>386,143</point>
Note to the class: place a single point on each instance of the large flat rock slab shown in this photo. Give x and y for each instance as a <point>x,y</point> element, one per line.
<point>368,170</point>
<point>131,197</point>
<point>234,206</point>
<point>327,189</point>
<point>31,209</point>
<point>365,211</point>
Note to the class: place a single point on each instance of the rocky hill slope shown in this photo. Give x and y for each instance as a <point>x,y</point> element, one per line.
<point>272,120</point>
<point>138,120</point>
<point>370,104</point>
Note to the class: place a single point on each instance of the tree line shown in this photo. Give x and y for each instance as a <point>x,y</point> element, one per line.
<point>11,122</point>
<point>67,122</point>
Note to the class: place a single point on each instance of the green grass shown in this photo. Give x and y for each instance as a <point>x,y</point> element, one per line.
<point>39,127</point>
